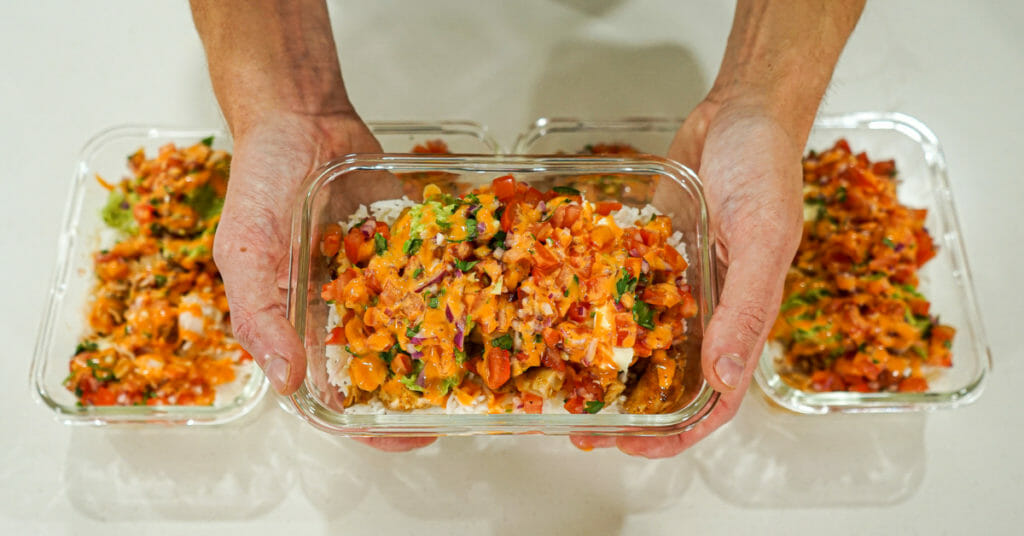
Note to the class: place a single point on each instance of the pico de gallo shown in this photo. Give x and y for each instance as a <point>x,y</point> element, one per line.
<point>513,297</point>
<point>159,324</point>
<point>853,318</point>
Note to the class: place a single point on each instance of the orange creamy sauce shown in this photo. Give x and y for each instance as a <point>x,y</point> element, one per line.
<point>852,318</point>
<point>513,294</point>
<point>159,322</point>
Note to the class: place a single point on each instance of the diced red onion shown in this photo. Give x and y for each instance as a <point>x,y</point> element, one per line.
<point>481,227</point>
<point>368,228</point>
<point>542,206</point>
<point>645,266</point>
<point>448,313</point>
<point>416,354</point>
<point>472,210</point>
<point>899,247</point>
<point>432,280</point>
<point>124,205</point>
<point>460,328</point>
<point>421,380</point>
<point>417,340</point>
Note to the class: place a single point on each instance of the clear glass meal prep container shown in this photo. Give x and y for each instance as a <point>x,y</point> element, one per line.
<point>945,280</point>
<point>65,316</point>
<point>338,189</point>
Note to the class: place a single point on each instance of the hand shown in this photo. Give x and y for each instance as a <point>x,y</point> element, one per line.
<point>749,163</point>
<point>251,247</point>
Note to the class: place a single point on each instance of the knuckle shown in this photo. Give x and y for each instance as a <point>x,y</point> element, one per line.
<point>750,320</point>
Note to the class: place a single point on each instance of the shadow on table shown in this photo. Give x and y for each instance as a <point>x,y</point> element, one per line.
<point>590,79</point>
<point>228,473</point>
<point>523,485</point>
<point>769,457</point>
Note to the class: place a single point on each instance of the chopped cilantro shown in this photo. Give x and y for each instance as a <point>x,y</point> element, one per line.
<point>465,266</point>
<point>806,298</point>
<point>417,272</point>
<point>380,243</point>
<point>593,406</point>
<point>412,331</point>
<point>86,346</point>
<point>920,352</point>
<point>498,240</point>
<point>841,194</point>
<point>875,276</point>
<point>411,246</point>
<point>207,141</point>
<point>626,283</point>
<point>504,342</point>
<point>911,290</point>
<point>643,315</point>
<point>433,302</point>
<point>888,243</point>
<point>460,356</point>
<point>566,293</point>
<point>160,280</point>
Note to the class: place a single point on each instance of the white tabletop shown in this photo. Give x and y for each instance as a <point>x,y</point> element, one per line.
<point>71,69</point>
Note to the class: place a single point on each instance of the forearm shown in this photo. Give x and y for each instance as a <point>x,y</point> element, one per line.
<point>270,56</point>
<point>781,53</point>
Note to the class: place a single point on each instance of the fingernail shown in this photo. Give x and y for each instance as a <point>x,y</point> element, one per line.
<point>729,368</point>
<point>277,371</point>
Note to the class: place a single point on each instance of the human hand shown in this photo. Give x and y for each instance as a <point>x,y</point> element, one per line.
<point>271,159</point>
<point>749,163</point>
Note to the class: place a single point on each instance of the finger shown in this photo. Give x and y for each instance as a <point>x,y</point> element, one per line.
<point>748,307</point>
<point>668,446</point>
<point>257,306</point>
<point>396,444</point>
<point>591,442</point>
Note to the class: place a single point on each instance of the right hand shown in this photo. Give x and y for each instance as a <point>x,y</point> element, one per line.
<point>272,157</point>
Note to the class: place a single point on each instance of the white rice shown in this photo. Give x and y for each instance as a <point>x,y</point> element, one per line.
<point>388,211</point>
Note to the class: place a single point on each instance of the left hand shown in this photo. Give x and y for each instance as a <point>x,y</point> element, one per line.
<point>750,165</point>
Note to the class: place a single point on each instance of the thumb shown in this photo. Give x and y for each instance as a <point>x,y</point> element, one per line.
<point>745,313</point>
<point>258,313</point>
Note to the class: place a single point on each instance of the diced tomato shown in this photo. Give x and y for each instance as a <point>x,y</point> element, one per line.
<point>545,260</point>
<point>508,217</point>
<point>504,187</point>
<point>824,380</point>
<point>331,243</point>
<point>143,212</point>
<point>532,403</point>
<point>354,241</point>
<point>566,215</point>
<point>382,229</point>
<point>497,367</point>
<point>605,208</point>
<point>885,168</point>
<point>913,385</point>
<point>103,397</point>
<point>401,364</point>
<point>674,259</point>
<point>533,196</point>
<point>574,404</point>
<point>551,337</point>
<point>552,360</point>
<point>337,336</point>
<point>925,247</point>
<point>578,311</point>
